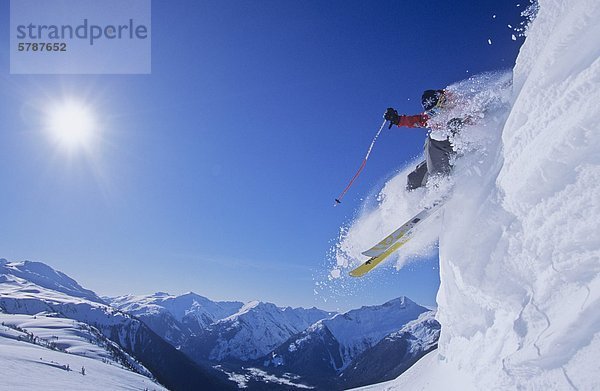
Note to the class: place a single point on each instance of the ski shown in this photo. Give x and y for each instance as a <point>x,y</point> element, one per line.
<point>392,238</point>
<point>370,264</point>
<point>392,242</point>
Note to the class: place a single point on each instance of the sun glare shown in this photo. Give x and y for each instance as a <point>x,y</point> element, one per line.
<point>71,124</point>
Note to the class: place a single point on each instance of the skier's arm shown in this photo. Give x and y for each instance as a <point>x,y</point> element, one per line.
<point>413,121</point>
<point>408,121</point>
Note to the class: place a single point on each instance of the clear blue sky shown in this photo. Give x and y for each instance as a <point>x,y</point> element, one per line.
<point>217,172</point>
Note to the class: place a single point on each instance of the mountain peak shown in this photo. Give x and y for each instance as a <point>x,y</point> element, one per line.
<point>45,276</point>
<point>401,301</point>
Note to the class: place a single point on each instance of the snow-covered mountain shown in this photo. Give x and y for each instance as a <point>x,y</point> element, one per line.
<point>330,345</point>
<point>175,318</point>
<point>190,305</point>
<point>394,354</point>
<point>40,274</point>
<point>255,330</point>
<point>520,240</point>
<point>257,341</point>
<point>218,331</point>
<point>19,295</point>
<point>360,329</point>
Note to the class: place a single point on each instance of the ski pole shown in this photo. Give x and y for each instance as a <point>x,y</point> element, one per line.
<point>362,165</point>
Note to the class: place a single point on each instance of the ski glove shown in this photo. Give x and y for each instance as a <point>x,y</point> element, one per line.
<point>392,116</point>
<point>455,124</point>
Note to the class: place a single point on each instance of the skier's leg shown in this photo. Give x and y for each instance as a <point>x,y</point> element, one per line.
<point>437,156</point>
<point>418,177</point>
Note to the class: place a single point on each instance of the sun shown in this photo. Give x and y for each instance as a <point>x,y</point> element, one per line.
<point>71,124</point>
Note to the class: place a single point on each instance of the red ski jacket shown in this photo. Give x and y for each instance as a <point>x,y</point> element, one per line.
<point>413,121</point>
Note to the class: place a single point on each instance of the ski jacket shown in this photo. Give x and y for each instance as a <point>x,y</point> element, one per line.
<point>437,131</point>
<point>413,121</point>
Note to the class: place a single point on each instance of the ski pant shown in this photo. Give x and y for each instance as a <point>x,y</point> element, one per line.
<point>437,162</point>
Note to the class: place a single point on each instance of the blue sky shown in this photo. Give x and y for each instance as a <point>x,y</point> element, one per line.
<point>217,172</point>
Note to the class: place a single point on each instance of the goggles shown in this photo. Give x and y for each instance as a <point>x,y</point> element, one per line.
<point>438,106</point>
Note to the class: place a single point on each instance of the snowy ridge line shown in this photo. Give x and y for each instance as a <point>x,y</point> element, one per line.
<point>189,305</point>
<point>44,276</point>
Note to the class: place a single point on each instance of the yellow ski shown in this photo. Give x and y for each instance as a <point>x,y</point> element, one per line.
<point>370,264</point>
<point>392,242</point>
<point>392,238</point>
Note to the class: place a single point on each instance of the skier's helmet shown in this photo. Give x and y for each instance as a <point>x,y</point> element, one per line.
<point>432,99</point>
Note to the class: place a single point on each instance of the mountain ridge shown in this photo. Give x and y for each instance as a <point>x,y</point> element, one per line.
<point>241,340</point>
<point>21,296</point>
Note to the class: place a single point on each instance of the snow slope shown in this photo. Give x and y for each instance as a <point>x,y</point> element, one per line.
<point>519,301</point>
<point>69,336</point>
<point>36,350</point>
<point>28,367</point>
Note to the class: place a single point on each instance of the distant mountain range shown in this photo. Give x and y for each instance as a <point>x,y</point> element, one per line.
<point>34,288</point>
<point>340,351</point>
<point>189,341</point>
<point>175,318</point>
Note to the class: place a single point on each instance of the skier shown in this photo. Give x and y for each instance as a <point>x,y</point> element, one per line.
<point>438,147</point>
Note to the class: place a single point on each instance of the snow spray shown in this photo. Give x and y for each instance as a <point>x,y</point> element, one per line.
<point>362,165</point>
